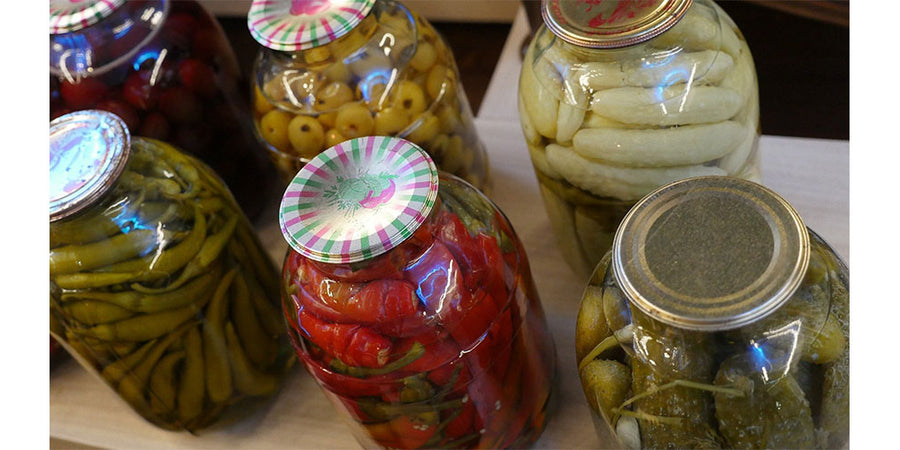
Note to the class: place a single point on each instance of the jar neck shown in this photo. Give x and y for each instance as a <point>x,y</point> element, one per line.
<point>107,44</point>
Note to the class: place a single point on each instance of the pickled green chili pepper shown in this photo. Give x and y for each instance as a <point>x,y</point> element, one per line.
<point>75,258</point>
<point>834,417</point>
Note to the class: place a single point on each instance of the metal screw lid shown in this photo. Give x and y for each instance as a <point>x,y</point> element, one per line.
<point>290,25</point>
<point>88,151</point>
<point>72,15</point>
<point>358,199</point>
<point>710,253</point>
<point>611,24</point>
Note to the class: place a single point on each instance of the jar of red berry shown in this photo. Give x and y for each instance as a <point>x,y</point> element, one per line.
<point>410,300</point>
<point>167,69</point>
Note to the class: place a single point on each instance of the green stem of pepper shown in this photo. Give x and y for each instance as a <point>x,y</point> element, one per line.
<point>415,352</point>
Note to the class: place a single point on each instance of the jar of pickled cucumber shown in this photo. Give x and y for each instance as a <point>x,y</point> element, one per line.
<point>332,70</point>
<point>409,299</point>
<point>617,98</point>
<point>166,68</point>
<point>717,320</point>
<point>158,283</point>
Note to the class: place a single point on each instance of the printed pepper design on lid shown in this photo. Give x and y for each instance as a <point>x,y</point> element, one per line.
<point>611,24</point>
<point>289,25</point>
<point>358,199</point>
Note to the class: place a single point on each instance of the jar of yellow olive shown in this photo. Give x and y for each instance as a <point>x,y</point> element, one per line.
<point>158,284</point>
<point>617,98</point>
<point>333,70</point>
<point>717,320</point>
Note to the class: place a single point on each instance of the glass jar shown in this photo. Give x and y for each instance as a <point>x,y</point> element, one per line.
<point>618,98</point>
<point>166,68</point>
<point>334,70</point>
<point>717,320</point>
<point>409,299</point>
<point>157,280</point>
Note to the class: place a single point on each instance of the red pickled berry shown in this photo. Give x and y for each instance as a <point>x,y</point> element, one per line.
<point>138,91</point>
<point>179,28</point>
<point>180,105</point>
<point>198,76</point>
<point>125,111</point>
<point>155,126</point>
<point>84,93</point>
<point>207,43</point>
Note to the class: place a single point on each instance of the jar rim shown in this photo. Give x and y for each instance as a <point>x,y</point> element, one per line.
<point>291,25</point>
<point>358,199</point>
<point>615,24</point>
<point>88,151</point>
<point>710,253</point>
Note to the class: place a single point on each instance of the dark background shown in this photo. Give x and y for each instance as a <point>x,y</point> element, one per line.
<point>801,50</point>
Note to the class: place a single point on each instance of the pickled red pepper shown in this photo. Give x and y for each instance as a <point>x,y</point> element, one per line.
<point>438,341</point>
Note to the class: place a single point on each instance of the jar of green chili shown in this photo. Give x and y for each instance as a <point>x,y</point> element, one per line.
<point>717,320</point>
<point>157,279</point>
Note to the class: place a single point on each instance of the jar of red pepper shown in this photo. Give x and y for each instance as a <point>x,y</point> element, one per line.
<point>166,68</point>
<point>410,300</point>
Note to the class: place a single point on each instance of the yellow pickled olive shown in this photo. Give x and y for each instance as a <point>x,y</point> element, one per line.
<point>260,104</point>
<point>449,118</point>
<point>162,384</point>
<point>333,137</point>
<point>317,55</point>
<point>273,127</point>
<point>306,135</point>
<point>332,96</point>
<point>376,96</point>
<point>338,72</point>
<point>191,389</point>
<point>91,313</point>
<point>428,128</point>
<point>192,292</point>
<point>247,378</point>
<point>327,119</point>
<point>123,246</point>
<point>424,57</point>
<point>410,97</point>
<point>606,384</point>
<point>390,121</point>
<point>215,351</point>
<point>275,90</point>
<point>768,413</point>
<point>354,120</point>
<point>438,83</point>
<point>261,348</point>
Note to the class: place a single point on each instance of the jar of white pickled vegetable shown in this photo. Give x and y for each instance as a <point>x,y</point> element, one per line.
<point>334,70</point>
<point>717,320</point>
<point>617,98</point>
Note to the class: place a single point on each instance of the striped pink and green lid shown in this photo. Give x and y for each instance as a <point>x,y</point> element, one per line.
<point>358,199</point>
<point>72,15</point>
<point>289,25</point>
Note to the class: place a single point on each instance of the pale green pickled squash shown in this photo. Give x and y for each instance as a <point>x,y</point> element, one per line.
<point>770,413</point>
<point>675,418</point>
